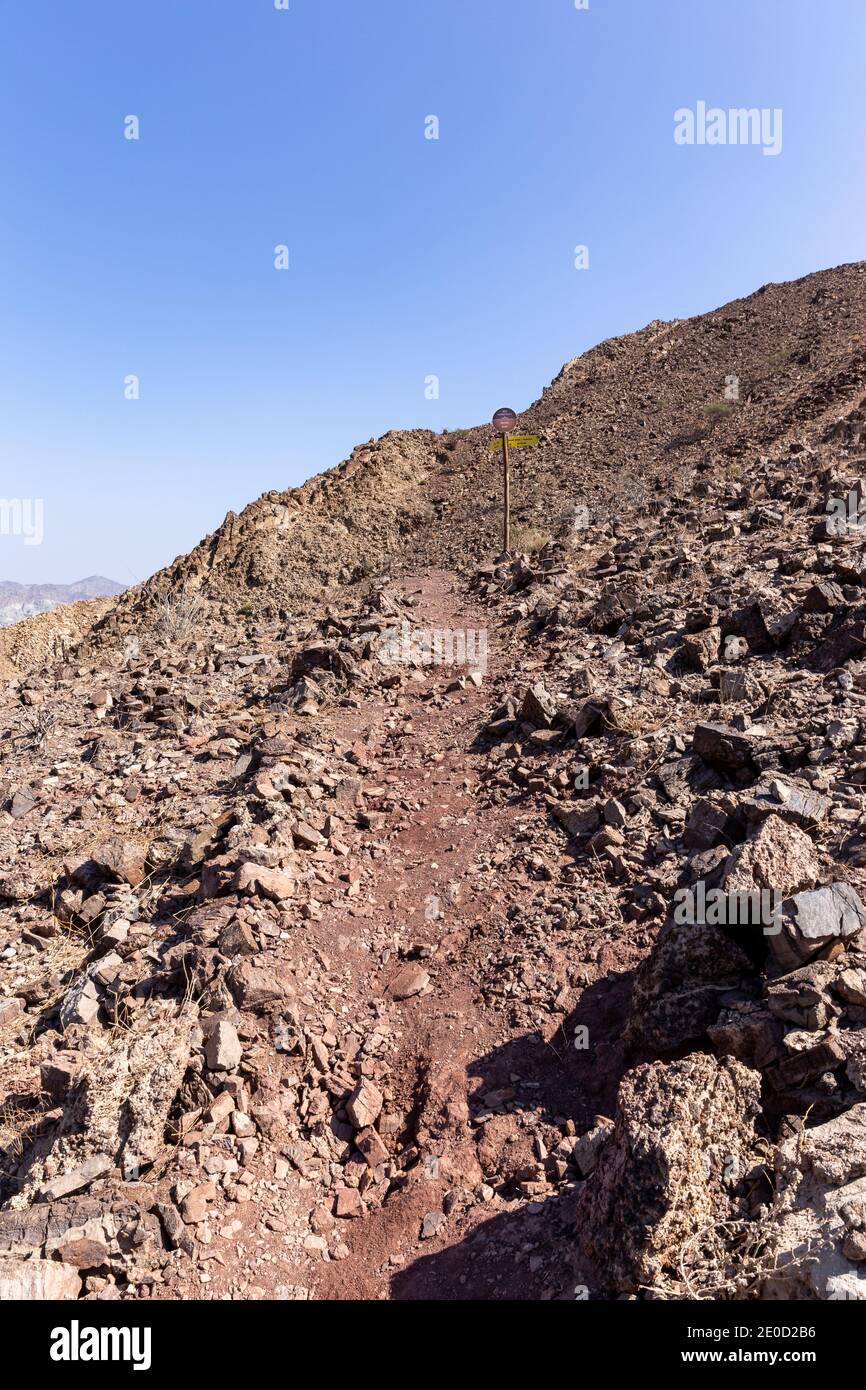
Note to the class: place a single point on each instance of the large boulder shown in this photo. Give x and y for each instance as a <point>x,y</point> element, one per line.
<point>683,1139</point>
<point>116,1112</point>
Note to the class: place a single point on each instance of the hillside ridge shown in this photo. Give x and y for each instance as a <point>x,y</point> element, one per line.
<point>618,423</point>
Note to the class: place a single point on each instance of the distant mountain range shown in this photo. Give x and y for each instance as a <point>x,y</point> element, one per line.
<point>19,601</point>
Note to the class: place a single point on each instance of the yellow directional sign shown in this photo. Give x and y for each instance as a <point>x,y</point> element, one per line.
<point>516,441</point>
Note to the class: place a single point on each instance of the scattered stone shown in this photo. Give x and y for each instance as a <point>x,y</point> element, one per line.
<point>256,986</point>
<point>236,939</point>
<point>371,1146</point>
<point>222,1049</point>
<point>276,884</point>
<point>23,802</point>
<point>432,1224</point>
<point>195,1206</point>
<point>587,1148</point>
<point>364,1106</point>
<point>91,1169</point>
<point>121,860</point>
<point>347,1203</point>
<point>538,708</point>
<point>84,1253</point>
<point>723,747</point>
<point>810,922</point>
<point>780,858</point>
<point>702,648</point>
<point>81,1003</point>
<point>409,981</point>
<point>10,1010</point>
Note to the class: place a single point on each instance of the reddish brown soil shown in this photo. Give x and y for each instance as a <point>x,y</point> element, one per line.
<point>454,1047</point>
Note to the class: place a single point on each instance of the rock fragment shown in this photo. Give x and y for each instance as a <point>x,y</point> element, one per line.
<point>812,921</point>
<point>222,1049</point>
<point>364,1106</point>
<point>409,981</point>
<point>120,860</point>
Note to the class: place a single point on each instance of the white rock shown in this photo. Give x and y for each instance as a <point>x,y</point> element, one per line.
<point>37,1280</point>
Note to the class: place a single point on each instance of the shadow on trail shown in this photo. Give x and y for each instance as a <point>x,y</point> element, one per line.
<point>550,1073</point>
<point>525,1255</point>
<point>531,1253</point>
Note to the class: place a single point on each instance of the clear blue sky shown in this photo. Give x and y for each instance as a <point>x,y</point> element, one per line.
<point>408,257</point>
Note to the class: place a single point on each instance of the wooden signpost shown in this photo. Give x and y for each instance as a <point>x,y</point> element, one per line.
<point>504,420</point>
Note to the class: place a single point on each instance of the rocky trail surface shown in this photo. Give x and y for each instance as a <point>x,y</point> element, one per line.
<point>465,928</point>
<point>365,1111</point>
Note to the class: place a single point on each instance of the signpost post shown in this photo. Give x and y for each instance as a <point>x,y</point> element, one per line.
<point>503,421</point>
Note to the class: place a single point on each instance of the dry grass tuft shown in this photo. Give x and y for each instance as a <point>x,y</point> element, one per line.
<point>178,616</point>
<point>528,540</point>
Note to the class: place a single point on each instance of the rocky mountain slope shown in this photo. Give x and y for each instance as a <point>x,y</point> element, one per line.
<point>618,428</point>
<point>48,637</point>
<point>342,959</point>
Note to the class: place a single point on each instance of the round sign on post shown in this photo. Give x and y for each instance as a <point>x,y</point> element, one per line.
<point>504,420</point>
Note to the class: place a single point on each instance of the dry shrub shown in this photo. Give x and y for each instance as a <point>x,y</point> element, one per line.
<point>178,616</point>
<point>528,539</point>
